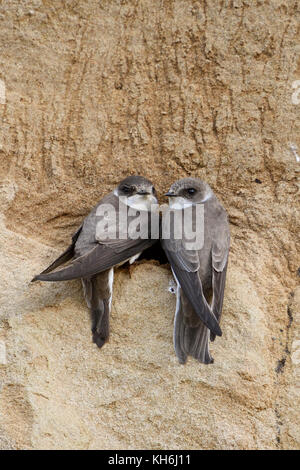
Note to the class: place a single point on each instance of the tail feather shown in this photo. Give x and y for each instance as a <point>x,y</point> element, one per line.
<point>218,280</point>
<point>100,323</point>
<point>98,292</point>
<point>191,336</point>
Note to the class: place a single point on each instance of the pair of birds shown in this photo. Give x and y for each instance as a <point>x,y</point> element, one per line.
<point>199,273</point>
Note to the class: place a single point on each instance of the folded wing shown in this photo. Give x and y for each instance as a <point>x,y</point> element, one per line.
<point>98,259</point>
<point>185,266</point>
<point>92,254</point>
<point>220,251</point>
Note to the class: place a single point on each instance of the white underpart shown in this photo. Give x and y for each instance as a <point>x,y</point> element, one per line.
<point>179,202</point>
<point>110,284</point>
<point>177,282</point>
<point>131,260</point>
<point>85,292</point>
<point>134,258</point>
<point>141,202</point>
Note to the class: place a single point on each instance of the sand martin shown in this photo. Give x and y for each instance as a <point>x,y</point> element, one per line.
<point>199,273</point>
<point>104,241</point>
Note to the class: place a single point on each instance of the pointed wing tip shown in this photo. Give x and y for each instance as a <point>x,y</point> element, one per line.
<point>182,359</point>
<point>217,331</point>
<point>39,277</point>
<point>212,324</point>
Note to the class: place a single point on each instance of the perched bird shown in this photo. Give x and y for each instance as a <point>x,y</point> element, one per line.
<point>199,273</point>
<point>103,242</point>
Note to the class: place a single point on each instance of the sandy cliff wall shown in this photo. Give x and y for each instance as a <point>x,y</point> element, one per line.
<point>91,92</point>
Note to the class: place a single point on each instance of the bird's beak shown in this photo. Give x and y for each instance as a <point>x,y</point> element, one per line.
<point>143,193</point>
<point>170,194</point>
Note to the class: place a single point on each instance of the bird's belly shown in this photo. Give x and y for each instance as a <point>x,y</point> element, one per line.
<point>131,260</point>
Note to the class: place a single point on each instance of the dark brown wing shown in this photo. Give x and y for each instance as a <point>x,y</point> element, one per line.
<point>184,259</point>
<point>220,251</point>
<point>64,257</point>
<point>95,251</point>
<point>98,259</point>
<point>184,264</point>
<point>190,334</point>
<point>192,287</point>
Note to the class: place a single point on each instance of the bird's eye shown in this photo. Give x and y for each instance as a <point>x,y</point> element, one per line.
<point>191,191</point>
<point>127,189</point>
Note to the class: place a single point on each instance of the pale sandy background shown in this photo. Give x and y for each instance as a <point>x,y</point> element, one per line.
<point>95,91</point>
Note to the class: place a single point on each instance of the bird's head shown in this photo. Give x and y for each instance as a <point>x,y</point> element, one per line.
<point>187,192</point>
<point>138,192</point>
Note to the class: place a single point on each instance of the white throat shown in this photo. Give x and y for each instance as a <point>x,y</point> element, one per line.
<point>207,196</point>
<point>141,202</point>
<point>179,203</point>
